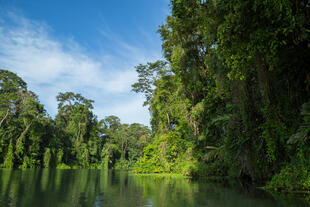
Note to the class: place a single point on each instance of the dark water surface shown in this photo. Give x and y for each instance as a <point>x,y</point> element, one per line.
<point>117,188</point>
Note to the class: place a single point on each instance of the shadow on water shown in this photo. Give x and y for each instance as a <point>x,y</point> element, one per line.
<point>51,187</point>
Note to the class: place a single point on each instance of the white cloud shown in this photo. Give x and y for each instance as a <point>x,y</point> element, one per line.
<point>130,109</point>
<point>120,82</point>
<point>50,66</point>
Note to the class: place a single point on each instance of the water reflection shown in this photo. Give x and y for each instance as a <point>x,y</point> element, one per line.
<point>117,188</point>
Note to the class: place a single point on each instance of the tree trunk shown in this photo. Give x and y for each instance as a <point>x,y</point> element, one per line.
<point>79,132</point>
<point>168,120</point>
<point>263,79</point>
<point>6,115</point>
<point>22,135</point>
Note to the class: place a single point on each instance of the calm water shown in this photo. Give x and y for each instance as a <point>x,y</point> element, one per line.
<point>115,188</point>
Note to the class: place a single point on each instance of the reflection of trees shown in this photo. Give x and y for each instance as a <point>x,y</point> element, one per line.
<point>49,187</point>
<point>288,200</point>
<point>167,191</point>
<point>59,188</point>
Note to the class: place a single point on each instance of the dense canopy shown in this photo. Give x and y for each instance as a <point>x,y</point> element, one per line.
<point>235,100</point>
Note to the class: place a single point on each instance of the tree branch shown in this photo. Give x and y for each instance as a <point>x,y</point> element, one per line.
<point>6,115</point>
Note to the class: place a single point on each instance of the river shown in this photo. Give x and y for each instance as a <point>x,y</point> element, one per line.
<point>99,188</point>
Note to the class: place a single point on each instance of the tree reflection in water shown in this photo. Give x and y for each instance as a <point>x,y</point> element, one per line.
<point>51,187</point>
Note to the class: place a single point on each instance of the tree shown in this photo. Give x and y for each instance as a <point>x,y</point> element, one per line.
<point>77,121</point>
<point>148,74</point>
<point>239,74</point>
<point>22,114</point>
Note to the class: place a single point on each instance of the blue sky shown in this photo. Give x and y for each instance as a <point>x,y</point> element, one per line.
<point>88,47</point>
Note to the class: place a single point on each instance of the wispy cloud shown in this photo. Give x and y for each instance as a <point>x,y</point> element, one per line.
<point>51,66</point>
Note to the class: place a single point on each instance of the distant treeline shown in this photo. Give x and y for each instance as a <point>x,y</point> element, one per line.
<point>29,138</point>
<point>231,97</point>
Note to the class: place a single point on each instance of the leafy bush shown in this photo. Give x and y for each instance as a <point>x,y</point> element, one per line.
<point>63,166</point>
<point>291,178</point>
<point>168,153</point>
<point>122,164</point>
<point>296,175</point>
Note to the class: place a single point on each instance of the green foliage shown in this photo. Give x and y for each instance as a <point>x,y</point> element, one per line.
<point>63,166</point>
<point>122,164</point>
<point>225,101</point>
<point>293,177</point>
<point>47,158</point>
<point>84,157</point>
<point>21,121</point>
<point>123,143</point>
<point>28,163</point>
<point>29,138</point>
<point>9,158</point>
<point>238,74</point>
<point>302,136</point>
<point>148,74</point>
<point>59,156</point>
<point>168,153</point>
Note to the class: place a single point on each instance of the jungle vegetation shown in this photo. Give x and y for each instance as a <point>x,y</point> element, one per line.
<point>30,138</point>
<point>232,95</point>
<point>230,98</point>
